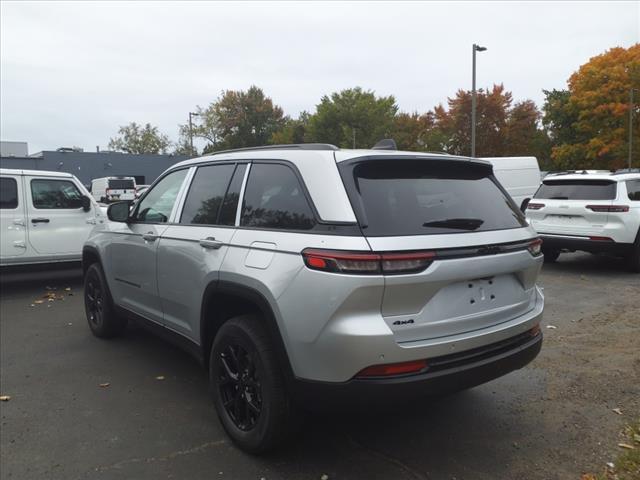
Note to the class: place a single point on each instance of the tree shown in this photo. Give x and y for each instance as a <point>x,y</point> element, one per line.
<point>294,130</point>
<point>589,122</point>
<point>352,117</point>
<point>522,135</point>
<point>237,119</point>
<point>134,138</point>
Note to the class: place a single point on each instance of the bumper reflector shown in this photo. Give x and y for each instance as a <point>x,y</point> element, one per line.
<point>389,369</point>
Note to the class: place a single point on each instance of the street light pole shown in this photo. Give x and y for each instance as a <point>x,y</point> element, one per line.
<point>630,125</point>
<point>191,114</point>
<point>475,48</point>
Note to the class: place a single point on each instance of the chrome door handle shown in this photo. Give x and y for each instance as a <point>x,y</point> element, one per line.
<point>211,243</point>
<point>149,237</point>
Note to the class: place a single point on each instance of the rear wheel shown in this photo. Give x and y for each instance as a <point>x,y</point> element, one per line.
<point>248,386</point>
<point>634,257</point>
<point>102,318</point>
<point>550,256</point>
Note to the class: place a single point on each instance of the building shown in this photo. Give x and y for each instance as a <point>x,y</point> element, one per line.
<point>89,165</point>
<point>13,149</point>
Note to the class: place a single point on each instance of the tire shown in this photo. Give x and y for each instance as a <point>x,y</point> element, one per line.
<point>101,315</point>
<point>634,257</point>
<point>248,386</point>
<point>550,256</point>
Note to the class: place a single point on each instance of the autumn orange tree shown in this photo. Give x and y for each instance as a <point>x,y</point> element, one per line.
<point>588,123</point>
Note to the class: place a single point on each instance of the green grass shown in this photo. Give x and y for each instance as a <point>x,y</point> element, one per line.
<point>627,465</point>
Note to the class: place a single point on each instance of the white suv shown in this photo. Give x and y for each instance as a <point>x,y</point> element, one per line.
<point>593,212</point>
<point>308,276</point>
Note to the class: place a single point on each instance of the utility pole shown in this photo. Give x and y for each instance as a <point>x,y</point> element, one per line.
<point>475,48</point>
<point>630,125</point>
<point>191,114</point>
<point>353,129</point>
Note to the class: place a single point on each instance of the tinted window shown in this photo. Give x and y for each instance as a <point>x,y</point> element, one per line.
<point>577,190</point>
<point>122,184</point>
<point>156,206</point>
<point>230,204</point>
<point>274,199</point>
<point>55,194</point>
<point>633,190</point>
<point>422,197</point>
<point>206,194</point>
<point>8,193</point>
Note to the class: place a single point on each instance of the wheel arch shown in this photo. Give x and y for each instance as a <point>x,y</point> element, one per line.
<point>223,300</point>
<point>90,255</point>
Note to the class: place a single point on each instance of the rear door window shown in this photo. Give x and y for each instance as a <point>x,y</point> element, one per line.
<point>55,194</point>
<point>633,190</point>
<point>206,194</point>
<point>577,190</point>
<point>122,184</point>
<point>274,199</point>
<point>8,193</point>
<point>421,197</point>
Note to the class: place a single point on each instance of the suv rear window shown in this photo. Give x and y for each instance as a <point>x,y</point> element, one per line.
<point>424,197</point>
<point>121,184</point>
<point>8,193</point>
<point>577,190</point>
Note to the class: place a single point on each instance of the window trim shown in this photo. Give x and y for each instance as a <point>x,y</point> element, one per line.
<point>51,179</point>
<point>15,180</point>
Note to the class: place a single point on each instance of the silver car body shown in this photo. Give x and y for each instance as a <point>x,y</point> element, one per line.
<point>332,326</point>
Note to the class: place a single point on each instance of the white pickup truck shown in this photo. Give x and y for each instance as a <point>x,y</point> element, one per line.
<point>45,217</point>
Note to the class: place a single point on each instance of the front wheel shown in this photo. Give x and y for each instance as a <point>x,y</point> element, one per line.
<point>634,257</point>
<point>248,386</point>
<point>103,320</point>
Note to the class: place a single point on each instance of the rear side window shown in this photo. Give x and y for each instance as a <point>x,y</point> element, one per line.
<point>577,190</point>
<point>55,194</point>
<point>8,193</point>
<point>122,184</point>
<point>206,194</point>
<point>423,197</point>
<point>633,190</point>
<point>274,199</point>
<point>230,204</point>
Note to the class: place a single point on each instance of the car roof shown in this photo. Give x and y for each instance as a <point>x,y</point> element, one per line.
<point>40,173</point>
<point>611,176</point>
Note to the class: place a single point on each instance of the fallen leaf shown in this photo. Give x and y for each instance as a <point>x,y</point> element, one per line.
<point>32,305</point>
<point>69,323</point>
<point>617,410</point>
<point>104,385</point>
<point>38,301</point>
<point>324,477</point>
<point>51,299</point>
<point>5,398</point>
<point>68,289</point>
<point>636,437</point>
<point>610,464</point>
<point>627,446</point>
<point>552,327</point>
<point>160,377</point>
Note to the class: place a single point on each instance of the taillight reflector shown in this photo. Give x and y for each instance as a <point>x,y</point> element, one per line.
<point>535,247</point>
<point>608,208</point>
<point>535,206</point>
<point>403,368</point>
<point>601,239</point>
<point>366,263</point>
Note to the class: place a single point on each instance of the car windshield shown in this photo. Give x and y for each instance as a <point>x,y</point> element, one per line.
<point>121,184</point>
<point>577,190</point>
<point>422,197</point>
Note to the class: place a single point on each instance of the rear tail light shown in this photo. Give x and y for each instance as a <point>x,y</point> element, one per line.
<point>608,208</point>
<point>365,263</point>
<point>535,206</point>
<point>390,369</point>
<point>535,247</point>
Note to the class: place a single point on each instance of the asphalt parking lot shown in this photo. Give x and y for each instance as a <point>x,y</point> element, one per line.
<point>551,420</point>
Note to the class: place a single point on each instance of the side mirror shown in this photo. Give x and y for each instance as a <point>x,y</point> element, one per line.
<point>118,212</point>
<point>86,203</point>
<point>524,204</point>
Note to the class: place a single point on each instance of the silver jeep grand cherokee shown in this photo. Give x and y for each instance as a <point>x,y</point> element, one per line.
<point>307,275</point>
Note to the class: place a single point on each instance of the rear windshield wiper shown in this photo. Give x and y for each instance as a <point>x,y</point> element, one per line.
<point>456,223</point>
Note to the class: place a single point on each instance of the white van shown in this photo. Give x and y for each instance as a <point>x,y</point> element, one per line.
<point>520,176</point>
<point>45,217</point>
<point>113,189</point>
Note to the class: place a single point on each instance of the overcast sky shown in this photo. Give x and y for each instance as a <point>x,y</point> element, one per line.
<point>71,73</point>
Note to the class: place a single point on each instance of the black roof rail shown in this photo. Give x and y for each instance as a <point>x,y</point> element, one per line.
<point>293,146</point>
<point>622,171</point>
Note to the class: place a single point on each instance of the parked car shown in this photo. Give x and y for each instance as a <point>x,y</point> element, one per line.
<point>306,276</point>
<point>593,212</point>
<point>520,176</point>
<point>112,189</point>
<point>140,189</point>
<point>45,217</point>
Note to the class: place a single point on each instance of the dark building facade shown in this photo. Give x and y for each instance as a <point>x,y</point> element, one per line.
<point>89,165</point>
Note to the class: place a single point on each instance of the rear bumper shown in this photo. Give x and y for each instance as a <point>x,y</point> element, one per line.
<point>445,374</point>
<point>570,242</point>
